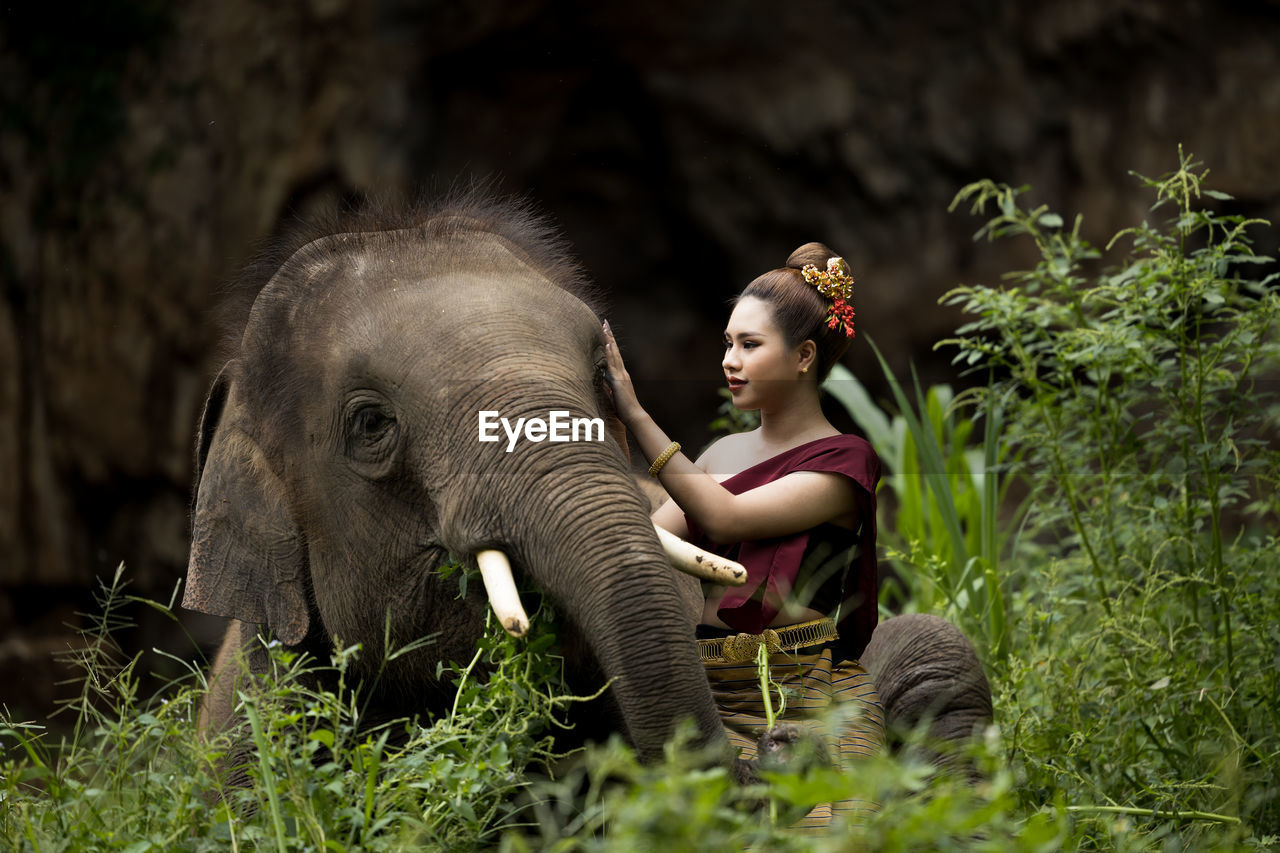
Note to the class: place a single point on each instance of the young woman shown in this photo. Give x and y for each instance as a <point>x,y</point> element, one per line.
<point>793,501</point>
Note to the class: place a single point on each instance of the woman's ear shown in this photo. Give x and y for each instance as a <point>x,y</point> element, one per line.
<point>808,354</point>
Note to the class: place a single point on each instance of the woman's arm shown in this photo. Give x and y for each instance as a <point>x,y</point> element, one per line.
<point>789,504</point>
<point>670,517</point>
<point>797,501</point>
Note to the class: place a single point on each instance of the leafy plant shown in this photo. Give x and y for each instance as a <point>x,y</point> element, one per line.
<point>943,537</point>
<point>1140,401</point>
<point>141,778</point>
<point>610,802</point>
<point>137,774</point>
<point>730,419</point>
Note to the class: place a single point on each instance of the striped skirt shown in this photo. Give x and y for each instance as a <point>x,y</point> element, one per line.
<point>812,684</point>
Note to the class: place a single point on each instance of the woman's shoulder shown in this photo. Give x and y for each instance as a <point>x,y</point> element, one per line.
<point>738,452</point>
<point>841,442</point>
<point>717,451</point>
<point>847,454</point>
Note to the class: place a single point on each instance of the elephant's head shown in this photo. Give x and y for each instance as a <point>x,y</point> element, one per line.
<point>340,463</point>
<point>928,674</point>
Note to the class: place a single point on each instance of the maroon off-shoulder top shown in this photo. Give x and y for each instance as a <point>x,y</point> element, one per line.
<point>814,563</point>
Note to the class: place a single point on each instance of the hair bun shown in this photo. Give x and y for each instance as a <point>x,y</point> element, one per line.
<point>810,253</point>
<point>800,310</point>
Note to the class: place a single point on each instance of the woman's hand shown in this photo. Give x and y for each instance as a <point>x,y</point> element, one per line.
<point>618,382</point>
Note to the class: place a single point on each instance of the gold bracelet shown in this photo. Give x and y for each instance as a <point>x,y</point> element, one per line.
<point>663,458</point>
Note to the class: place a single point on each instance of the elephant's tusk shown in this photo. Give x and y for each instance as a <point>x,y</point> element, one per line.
<point>495,571</point>
<point>692,560</point>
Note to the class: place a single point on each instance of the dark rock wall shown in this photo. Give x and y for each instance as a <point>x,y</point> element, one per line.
<point>683,147</point>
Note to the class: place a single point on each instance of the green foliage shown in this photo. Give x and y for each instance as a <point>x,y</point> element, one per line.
<point>947,492</point>
<point>1140,401</point>
<point>137,776</point>
<point>681,805</point>
<point>1134,408</point>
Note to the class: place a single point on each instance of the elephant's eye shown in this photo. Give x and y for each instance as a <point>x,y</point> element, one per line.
<point>371,431</point>
<point>604,394</point>
<point>371,422</point>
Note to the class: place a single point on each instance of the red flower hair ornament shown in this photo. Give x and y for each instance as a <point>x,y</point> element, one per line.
<point>837,285</point>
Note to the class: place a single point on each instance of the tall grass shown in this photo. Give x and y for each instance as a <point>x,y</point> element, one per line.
<point>1129,607</point>
<point>136,774</point>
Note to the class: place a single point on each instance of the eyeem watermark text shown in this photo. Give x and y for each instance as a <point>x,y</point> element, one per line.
<point>557,426</point>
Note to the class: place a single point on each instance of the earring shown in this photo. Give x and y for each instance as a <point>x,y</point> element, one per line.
<point>804,369</point>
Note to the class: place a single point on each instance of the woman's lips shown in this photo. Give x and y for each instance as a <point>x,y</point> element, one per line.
<point>735,383</point>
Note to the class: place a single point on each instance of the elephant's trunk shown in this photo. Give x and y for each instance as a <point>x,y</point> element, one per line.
<point>580,530</point>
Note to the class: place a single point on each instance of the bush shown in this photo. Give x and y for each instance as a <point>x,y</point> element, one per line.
<point>1140,403</point>
<point>136,774</point>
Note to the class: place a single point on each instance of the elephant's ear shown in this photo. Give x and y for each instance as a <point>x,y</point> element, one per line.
<point>246,551</point>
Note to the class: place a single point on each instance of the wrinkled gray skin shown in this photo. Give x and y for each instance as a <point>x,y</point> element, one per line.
<point>339,467</point>
<point>927,672</point>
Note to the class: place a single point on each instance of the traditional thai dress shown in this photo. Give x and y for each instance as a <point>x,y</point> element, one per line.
<point>828,568</point>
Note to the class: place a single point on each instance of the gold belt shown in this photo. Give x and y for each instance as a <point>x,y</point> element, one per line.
<point>741,648</point>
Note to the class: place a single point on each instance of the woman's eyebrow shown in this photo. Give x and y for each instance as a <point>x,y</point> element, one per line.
<point>744,334</point>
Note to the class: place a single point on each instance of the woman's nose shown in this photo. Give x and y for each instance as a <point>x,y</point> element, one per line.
<point>730,360</point>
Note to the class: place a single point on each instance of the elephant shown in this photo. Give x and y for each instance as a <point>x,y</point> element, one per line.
<point>928,674</point>
<point>378,418</point>
<point>342,461</point>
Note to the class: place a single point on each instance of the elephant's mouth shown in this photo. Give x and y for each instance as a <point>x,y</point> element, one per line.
<point>495,571</point>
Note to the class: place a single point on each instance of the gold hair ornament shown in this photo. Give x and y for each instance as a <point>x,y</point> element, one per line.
<point>837,285</point>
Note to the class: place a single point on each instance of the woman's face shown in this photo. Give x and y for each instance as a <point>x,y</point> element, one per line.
<point>759,366</point>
